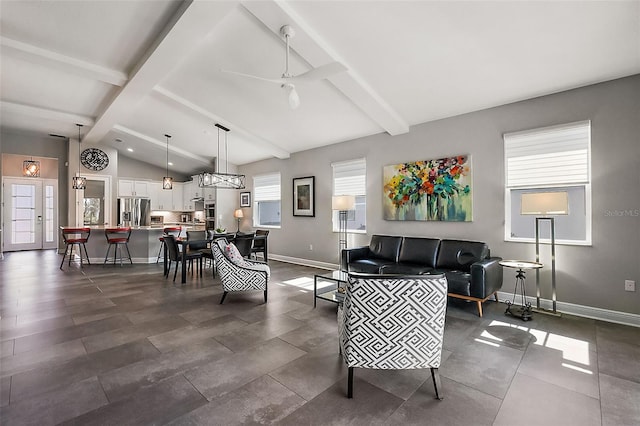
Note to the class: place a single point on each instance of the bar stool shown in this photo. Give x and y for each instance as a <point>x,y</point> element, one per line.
<point>169,230</point>
<point>117,237</point>
<point>72,237</point>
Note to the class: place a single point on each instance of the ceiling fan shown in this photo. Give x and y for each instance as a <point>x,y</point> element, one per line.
<point>288,81</point>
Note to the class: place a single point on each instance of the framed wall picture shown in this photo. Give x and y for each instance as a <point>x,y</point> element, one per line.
<point>245,199</point>
<point>304,195</point>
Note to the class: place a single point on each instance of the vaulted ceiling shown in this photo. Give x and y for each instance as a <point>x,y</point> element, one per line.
<point>133,71</point>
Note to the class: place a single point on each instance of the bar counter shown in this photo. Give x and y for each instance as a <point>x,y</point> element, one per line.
<point>144,243</point>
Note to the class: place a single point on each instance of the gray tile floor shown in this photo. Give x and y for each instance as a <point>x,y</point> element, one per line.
<point>122,345</point>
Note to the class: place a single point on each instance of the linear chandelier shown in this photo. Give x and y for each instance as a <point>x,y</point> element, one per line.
<point>218,179</point>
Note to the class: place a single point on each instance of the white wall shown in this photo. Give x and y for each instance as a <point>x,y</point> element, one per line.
<point>590,276</point>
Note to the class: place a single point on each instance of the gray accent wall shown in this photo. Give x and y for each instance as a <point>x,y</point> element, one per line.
<point>586,275</point>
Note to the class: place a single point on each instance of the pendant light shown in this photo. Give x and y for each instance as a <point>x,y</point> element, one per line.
<point>79,182</point>
<point>167,181</point>
<point>31,168</point>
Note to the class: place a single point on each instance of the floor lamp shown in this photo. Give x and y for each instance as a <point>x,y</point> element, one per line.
<point>544,204</point>
<point>342,203</point>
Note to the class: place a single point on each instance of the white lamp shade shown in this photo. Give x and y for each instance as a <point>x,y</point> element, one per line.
<point>238,214</point>
<point>343,202</point>
<point>545,203</point>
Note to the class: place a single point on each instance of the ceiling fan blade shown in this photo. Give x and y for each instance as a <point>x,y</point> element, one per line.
<point>319,73</point>
<point>255,77</point>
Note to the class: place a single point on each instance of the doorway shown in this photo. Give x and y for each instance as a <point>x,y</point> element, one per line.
<point>30,219</point>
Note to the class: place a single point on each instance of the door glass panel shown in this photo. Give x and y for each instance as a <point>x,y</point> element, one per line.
<point>23,214</point>
<point>49,235</point>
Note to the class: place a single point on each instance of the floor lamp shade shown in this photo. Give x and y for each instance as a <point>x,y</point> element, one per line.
<point>343,202</point>
<point>545,204</point>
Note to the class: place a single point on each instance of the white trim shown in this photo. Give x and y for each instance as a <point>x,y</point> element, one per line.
<point>608,315</point>
<point>304,262</point>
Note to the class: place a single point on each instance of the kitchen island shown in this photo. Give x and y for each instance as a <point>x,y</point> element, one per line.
<point>144,243</point>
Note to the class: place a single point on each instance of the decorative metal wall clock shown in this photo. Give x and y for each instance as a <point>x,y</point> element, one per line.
<point>94,159</point>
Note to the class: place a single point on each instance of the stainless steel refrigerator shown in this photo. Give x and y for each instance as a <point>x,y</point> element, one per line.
<point>134,212</point>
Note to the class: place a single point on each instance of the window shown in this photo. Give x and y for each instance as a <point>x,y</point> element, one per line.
<point>349,178</point>
<point>266,200</point>
<point>551,159</point>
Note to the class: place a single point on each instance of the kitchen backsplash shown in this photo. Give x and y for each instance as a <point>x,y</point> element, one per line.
<point>170,217</point>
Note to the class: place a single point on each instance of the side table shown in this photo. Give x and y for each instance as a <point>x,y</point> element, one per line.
<point>522,311</point>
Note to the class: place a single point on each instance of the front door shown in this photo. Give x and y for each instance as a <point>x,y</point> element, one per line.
<point>30,219</point>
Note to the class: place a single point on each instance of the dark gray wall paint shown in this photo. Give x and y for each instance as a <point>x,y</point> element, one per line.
<point>590,276</point>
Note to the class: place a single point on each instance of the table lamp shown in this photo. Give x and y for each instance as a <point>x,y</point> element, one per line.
<point>238,215</point>
<point>545,204</point>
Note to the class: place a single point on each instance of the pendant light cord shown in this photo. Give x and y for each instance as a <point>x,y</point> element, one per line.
<point>79,127</point>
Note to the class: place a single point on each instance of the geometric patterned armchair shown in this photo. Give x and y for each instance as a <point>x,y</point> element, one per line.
<point>237,273</point>
<point>393,322</point>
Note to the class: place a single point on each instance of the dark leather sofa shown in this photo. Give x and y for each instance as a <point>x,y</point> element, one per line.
<point>471,272</point>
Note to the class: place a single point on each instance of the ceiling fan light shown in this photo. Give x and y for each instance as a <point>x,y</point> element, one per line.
<point>294,99</point>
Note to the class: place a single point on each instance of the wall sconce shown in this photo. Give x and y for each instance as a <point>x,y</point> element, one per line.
<point>31,168</point>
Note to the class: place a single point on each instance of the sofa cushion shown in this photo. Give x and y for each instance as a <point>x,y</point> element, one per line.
<point>420,251</point>
<point>368,266</point>
<point>385,247</point>
<point>458,282</point>
<point>406,269</point>
<point>459,255</point>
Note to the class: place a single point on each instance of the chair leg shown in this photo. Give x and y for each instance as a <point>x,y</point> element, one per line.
<point>495,295</point>
<point>129,253</point>
<point>66,249</point>
<point>265,295</point>
<point>350,383</point>
<point>86,253</point>
<point>223,296</point>
<point>435,375</point>
<point>175,273</point>
<point>479,302</point>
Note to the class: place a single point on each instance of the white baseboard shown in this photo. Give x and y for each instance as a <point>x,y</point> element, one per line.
<point>303,262</point>
<point>579,310</point>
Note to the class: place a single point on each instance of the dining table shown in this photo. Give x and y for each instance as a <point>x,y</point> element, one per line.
<point>183,244</point>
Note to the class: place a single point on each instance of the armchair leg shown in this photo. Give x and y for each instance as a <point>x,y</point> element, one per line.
<point>435,375</point>
<point>350,383</point>
<point>265,296</point>
<point>223,296</point>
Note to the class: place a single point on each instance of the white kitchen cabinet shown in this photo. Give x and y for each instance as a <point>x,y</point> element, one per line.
<point>133,188</point>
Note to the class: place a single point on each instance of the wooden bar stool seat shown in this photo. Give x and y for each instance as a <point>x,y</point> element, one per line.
<point>117,237</point>
<point>75,237</point>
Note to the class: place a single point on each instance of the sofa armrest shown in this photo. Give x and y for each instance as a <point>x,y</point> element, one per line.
<point>486,277</point>
<point>351,255</point>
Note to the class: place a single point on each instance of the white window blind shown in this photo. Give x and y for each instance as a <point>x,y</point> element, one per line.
<point>266,187</point>
<point>548,156</point>
<point>349,177</point>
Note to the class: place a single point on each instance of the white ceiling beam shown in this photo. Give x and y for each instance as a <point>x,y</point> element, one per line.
<point>188,28</point>
<point>311,47</point>
<point>65,63</point>
<point>162,144</point>
<point>45,114</point>
<point>273,149</point>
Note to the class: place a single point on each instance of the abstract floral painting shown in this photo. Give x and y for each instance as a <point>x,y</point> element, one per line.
<point>429,190</point>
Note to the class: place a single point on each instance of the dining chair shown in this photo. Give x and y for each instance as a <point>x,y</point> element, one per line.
<point>244,242</point>
<point>175,255</point>
<point>260,245</point>
<point>201,243</point>
<point>393,322</point>
<point>168,230</point>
